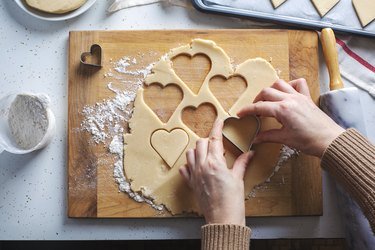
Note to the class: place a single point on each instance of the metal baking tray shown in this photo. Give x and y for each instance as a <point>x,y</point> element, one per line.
<point>300,13</point>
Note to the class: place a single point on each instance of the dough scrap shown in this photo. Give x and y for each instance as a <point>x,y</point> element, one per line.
<point>56,6</point>
<point>323,6</point>
<point>365,10</point>
<point>148,172</point>
<point>277,3</point>
<point>162,139</point>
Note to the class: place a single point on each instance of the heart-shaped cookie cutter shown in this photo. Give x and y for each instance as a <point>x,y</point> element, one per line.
<point>257,129</point>
<point>259,124</point>
<point>95,50</point>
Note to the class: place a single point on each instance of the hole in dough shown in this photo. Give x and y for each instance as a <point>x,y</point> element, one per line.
<point>227,91</point>
<point>163,100</point>
<point>192,70</point>
<point>193,118</point>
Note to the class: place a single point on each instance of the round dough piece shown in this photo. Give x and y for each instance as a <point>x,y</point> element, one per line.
<point>55,6</point>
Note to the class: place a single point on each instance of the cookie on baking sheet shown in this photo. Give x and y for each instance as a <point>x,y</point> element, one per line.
<point>55,6</point>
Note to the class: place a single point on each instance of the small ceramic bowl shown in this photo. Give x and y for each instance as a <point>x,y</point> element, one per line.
<point>54,17</point>
<point>7,140</point>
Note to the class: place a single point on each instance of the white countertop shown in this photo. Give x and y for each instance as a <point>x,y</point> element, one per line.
<point>33,187</point>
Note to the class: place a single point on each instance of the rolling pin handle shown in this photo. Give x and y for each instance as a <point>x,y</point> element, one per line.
<point>328,41</point>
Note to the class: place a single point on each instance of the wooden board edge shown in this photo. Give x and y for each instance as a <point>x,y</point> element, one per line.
<point>76,200</point>
<point>311,193</point>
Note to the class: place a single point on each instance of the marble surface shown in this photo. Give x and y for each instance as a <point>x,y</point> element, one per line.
<point>338,104</point>
<point>33,188</point>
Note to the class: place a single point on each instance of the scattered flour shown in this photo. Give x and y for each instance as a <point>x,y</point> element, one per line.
<point>286,153</point>
<point>28,120</point>
<point>122,66</point>
<point>105,120</point>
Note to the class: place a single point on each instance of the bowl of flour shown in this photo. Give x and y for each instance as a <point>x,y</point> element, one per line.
<point>26,122</point>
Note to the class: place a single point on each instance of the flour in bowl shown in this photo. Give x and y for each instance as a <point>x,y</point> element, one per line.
<point>28,120</point>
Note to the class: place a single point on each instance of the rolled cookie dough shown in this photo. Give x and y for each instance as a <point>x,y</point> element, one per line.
<point>147,171</point>
<point>55,6</point>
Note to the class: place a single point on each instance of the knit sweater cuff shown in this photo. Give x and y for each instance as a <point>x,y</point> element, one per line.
<point>225,236</point>
<point>350,159</point>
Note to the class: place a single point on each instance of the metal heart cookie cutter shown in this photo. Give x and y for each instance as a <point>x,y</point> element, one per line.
<point>237,132</point>
<point>94,57</point>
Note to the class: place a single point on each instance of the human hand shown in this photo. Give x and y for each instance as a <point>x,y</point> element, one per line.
<point>218,189</point>
<point>304,126</point>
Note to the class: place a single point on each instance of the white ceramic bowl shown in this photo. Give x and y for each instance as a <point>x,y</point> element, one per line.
<point>54,17</point>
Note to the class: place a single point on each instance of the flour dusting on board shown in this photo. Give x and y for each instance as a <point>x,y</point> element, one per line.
<point>286,153</point>
<point>105,120</point>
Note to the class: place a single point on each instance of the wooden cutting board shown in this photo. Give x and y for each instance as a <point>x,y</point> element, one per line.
<point>296,189</point>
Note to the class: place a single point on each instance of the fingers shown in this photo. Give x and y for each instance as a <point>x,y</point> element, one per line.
<point>190,158</point>
<point>241,163</point>
<point>201,151</point>
<point>283,86</point>
<point>301,86</point>
<point>215,145</point>
<point>270,94</point>
<point>265,109</point>
<point>278,90</point>
<point>185,173</point>
<point>272,135</point>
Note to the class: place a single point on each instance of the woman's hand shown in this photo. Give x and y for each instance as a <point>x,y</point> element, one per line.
<point>218,190</point>
<point>304,125</point>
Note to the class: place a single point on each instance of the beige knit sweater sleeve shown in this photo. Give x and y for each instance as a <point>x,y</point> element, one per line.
<point>225,237</point>
<point>350,158</point>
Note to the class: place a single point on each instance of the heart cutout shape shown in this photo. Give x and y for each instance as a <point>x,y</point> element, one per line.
<point>162,139</point>
<point>241,131</point>
<point>192,70</point>
<point>155,96</point>
<point>324,6</point>
<point>227,90</point>
<point>365,11</point>
<point>193,116</point>
<point>94,57</point>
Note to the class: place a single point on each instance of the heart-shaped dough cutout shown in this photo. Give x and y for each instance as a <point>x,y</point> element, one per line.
<point>193,118</point>
<point>227,91</point>
<point>163,100</point>
<point>161,141</point>
<point>94,57</point>
<point>365,11</point>
<point>241,131</point>
<point>192,70</point>
<point>324,6</point>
